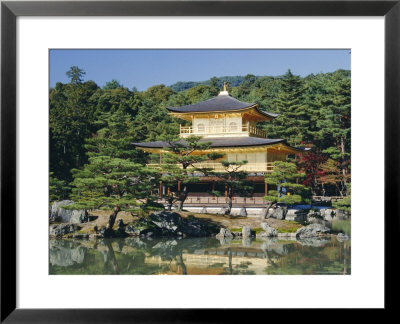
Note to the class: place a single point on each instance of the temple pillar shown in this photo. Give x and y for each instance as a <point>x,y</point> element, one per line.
<point>226,191</point>
<point>179,186</point>
<point>266,187</point>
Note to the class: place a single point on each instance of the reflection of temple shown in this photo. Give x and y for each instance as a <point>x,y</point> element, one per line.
<point>200,256</point>
<point>221,260</point>
<point>231,126</point>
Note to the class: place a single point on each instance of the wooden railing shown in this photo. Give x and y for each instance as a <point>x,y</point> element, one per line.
<point>327,198</point>
<point>266,167</point>
<point>222,130</point>
<point>238,201</point>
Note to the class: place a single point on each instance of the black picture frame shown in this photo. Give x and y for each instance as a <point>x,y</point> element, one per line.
<point>10,10</point>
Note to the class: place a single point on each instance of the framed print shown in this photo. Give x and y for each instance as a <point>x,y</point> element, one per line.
<point>236,169</point>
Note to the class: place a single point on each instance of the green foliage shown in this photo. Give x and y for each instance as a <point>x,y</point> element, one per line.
<point>285,176</point>
<point>214,82</point>
<point>113,178</point>
<point>341,226</point>
<point>179,164</point>
<point>158,93</point>
<point>75,74</point>
<point>107,182</point>
<point>58,189</point>
<point>345,203</point>
<point>114,138</point>
<point>113,84</point>
<point>199,93</point>
<point>233,179</point>
<point>71,122</point>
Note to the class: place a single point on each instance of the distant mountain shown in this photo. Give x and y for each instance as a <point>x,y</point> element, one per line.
<point>234,81</point>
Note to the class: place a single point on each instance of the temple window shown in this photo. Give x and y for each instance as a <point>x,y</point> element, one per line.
<point>232,127</point>
<point>200,128</point>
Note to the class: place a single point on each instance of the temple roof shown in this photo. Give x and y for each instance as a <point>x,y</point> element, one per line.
<point>220,142</point>
<point>223,102</point>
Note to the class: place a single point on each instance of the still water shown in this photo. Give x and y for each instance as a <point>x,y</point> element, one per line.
<point>200,256</point>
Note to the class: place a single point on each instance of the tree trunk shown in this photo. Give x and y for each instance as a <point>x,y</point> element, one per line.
<point>182,198</point>
<point>111,257</point>
<point>228,211</point>
<point>265,216</point>
<point>170,201</point>
<point>179,259</point>
<point>113,217</point>
<point>230,261</point>
<point>343,167</point>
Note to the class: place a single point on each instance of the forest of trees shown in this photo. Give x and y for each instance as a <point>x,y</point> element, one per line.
<point>89,123</point>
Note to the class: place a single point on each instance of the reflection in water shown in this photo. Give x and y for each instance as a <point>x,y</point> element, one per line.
<point>200,256</point>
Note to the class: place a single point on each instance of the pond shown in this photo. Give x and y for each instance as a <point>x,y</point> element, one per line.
<point>201,256</point>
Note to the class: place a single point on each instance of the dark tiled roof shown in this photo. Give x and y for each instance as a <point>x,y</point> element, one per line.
<point>219,103</point>
<point>220,142</point>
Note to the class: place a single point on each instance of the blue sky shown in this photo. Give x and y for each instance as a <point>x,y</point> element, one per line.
<point>144,68</point>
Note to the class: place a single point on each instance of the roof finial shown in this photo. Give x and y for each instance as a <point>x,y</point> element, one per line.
<point>225,91</point>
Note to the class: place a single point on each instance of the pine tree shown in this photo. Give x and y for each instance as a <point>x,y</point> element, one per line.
<point>345,203</point>
<point>70,118</point>
<point>113,178</point>
<point>337,123</point>
<point>58,189</point>
<point>292,120</point>
<point>285,177</point>
<point>234,181</point>
<point>179,168</point>
<point>114,138</point>
<point>112,183</point>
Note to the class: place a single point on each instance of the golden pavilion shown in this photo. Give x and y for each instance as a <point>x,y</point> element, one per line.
<point>231,126</point>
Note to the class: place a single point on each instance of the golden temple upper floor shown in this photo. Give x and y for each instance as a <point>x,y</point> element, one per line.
<point>222,116</point>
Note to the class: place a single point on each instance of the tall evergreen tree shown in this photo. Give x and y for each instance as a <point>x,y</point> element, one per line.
<point>337,123</point>
<point>71,122</point>
<point>75,74</point>
<point>292,120</point>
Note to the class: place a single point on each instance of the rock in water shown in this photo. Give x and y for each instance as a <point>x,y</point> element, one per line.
<point>341,237</point>
<point>172,224</point>
<point>204,210</point>
<point>166,221</point>
<point>279,213</point>
<point>314,241</point>
<point>263,213</point>
<point>328,214</point>
<point>65,253</point>
<point>62,229</point>
<point>59,214</point>
<point>246,231</point>
<point>224,233</point>
<point>312,230</point>
<point>243,212</point>
<point>246,241</point>
<point>79,216</point>
<point>268,231</point>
